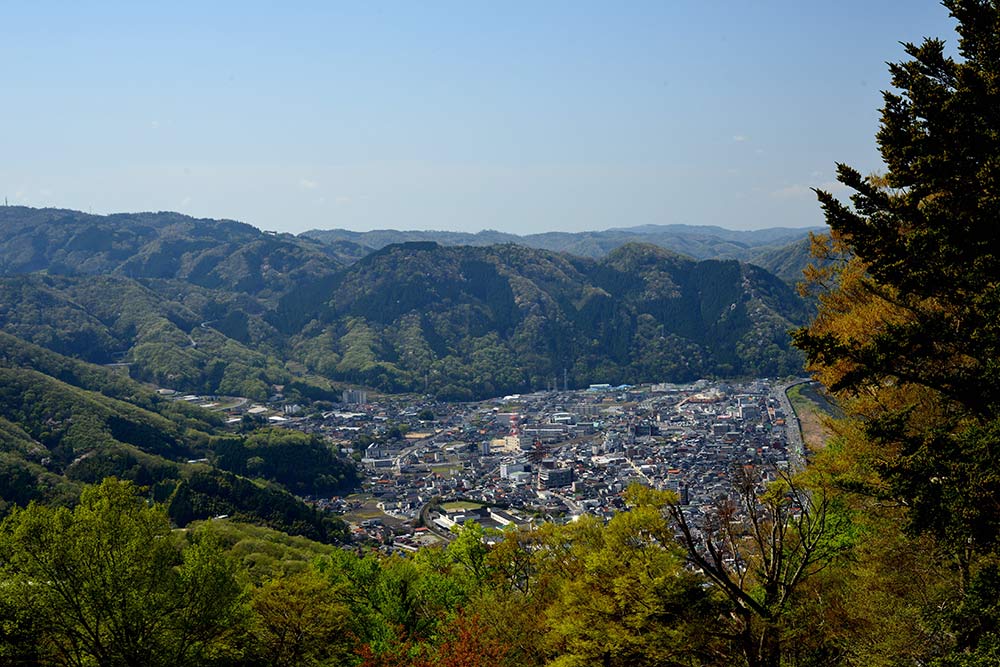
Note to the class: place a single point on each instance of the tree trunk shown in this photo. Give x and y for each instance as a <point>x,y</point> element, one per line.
<point>770,646</point>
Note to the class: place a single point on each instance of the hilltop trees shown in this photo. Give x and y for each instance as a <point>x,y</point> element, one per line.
<point>908,334</point>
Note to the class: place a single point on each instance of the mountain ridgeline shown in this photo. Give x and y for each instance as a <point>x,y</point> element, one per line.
<point>214,254</point>
<point>223,308</point>
<point>699,242</point>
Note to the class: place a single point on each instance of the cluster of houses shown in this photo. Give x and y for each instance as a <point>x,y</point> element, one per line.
<point>557,455</point>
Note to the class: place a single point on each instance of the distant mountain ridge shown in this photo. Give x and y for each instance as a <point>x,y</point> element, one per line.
<point>699,242</point>
<point>221,254</point>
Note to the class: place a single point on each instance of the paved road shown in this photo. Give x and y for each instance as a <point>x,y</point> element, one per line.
<point>637,470</point>
<point>570,503</point>
<point>796,449</point>
<point>425,519</point>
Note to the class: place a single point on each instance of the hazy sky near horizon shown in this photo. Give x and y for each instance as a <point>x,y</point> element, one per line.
<point>517,116</point>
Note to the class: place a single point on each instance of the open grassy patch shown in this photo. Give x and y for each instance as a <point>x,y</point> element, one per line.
<point>460,505</point>
<point>813,408</point>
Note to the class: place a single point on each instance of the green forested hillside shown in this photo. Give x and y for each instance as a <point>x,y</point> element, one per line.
<point>241,311</point>
<point>787,262</point>
<point>208,253</point>
<point>160,329</point>
<point>473,322</point>
<point>63,422</point>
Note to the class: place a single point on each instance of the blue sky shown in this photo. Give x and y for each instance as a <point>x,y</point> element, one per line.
<point>518,116</point>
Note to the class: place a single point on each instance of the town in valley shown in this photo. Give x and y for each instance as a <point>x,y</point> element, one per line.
<point>428,467</point>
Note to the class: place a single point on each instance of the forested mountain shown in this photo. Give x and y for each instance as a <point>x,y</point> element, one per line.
<point>782,251</point>
<point>160,329</point>
<point>221,254</point>
<point>698,241</point>
<point>478,321</point>
<point>220,307</point>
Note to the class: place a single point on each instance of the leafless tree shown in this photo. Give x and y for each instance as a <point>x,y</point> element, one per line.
<point>758,546</point>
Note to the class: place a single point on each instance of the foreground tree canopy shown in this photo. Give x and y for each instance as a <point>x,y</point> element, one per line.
<point>105,583</point>
<point>908,334</point>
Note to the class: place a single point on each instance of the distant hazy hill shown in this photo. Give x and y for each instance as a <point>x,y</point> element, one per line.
<point>787,261</point>
<point>220,307</point>
<point>700,242</point>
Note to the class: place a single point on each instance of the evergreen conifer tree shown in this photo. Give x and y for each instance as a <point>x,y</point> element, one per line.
<point>908,333</point>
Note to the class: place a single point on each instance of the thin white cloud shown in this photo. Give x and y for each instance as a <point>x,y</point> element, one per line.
<point>834,187</point>
<point>740,138</point>
<point>307,184</point>
<point>799,191</point>
<point>792,192</point>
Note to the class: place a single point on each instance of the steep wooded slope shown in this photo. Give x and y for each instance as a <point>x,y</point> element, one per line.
<point>220,307</point>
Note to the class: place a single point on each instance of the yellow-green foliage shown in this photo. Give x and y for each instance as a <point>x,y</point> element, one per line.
<point>263,553</point>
